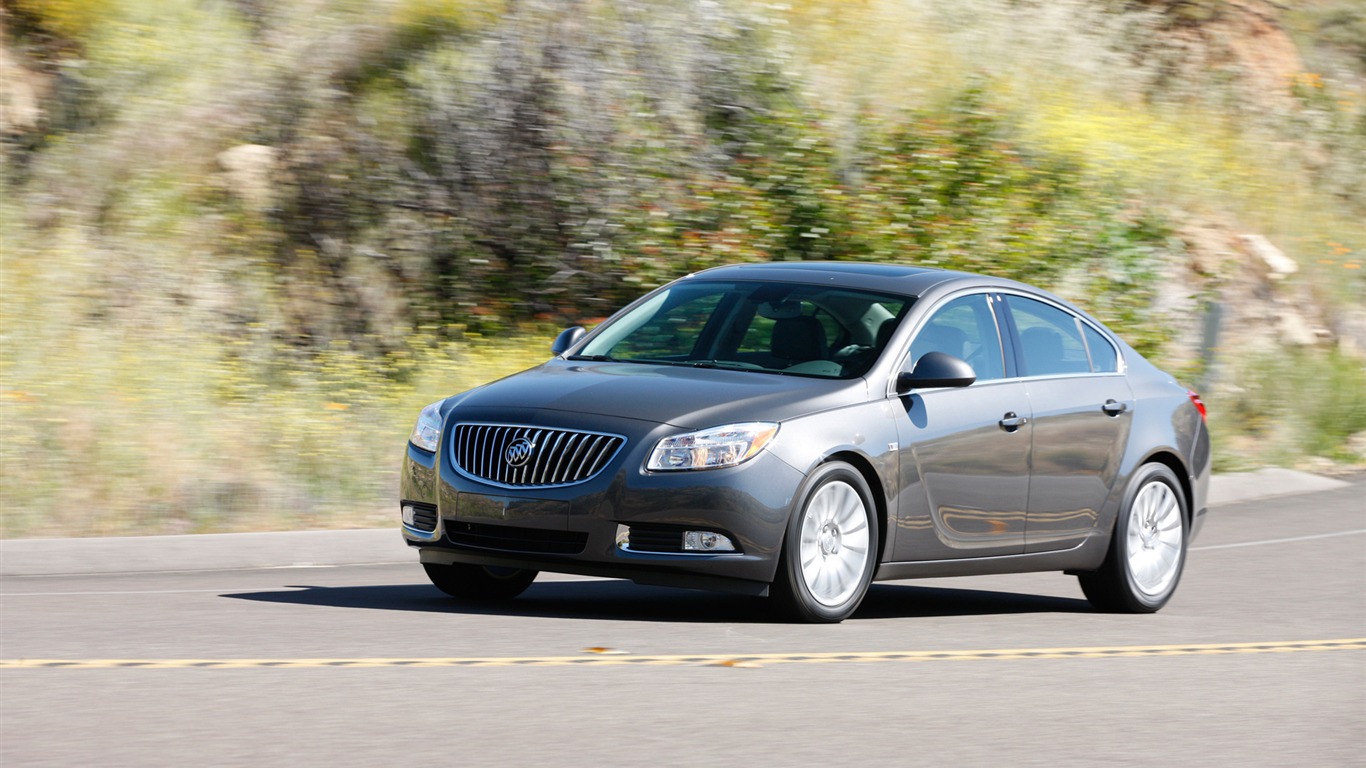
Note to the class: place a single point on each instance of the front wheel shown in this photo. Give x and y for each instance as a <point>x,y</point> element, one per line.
<point>479,582</point>
<point>829,553</point>
<point>1147,549</point>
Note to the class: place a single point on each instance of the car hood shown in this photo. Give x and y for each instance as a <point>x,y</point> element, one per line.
<point>692,398</point>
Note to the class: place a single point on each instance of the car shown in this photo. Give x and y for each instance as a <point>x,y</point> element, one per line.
<point>799,430</point>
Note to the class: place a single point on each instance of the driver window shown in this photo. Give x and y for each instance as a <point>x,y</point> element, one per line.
<point>966,329</point>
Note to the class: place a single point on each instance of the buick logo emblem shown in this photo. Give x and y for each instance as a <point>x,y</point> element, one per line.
<point>518,452</point>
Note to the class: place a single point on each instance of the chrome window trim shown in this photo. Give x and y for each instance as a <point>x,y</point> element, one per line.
<point>1120,364</point>
<point>991,293</point>
<point>905,354</point>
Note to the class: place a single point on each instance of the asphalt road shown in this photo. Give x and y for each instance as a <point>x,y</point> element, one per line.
<point>369,665</point>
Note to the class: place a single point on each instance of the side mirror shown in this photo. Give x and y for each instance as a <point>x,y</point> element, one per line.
<point>567,338</point>
<point>935,369</point>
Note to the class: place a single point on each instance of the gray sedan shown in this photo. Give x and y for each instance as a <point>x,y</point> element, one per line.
<point>802,429</point>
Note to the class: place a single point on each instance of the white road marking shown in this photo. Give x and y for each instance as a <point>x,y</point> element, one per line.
<point>129,592</point>
<point>1281,541</point>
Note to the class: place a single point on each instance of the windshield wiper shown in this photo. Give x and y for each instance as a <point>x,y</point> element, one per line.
<point>733,365</point>
<point>726,364</point>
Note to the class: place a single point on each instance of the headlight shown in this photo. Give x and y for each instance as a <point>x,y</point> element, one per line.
<point>712,448</point>
<point>428,427</point>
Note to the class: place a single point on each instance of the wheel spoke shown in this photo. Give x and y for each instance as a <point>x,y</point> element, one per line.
<point>1154,538</point>
<point>834,543</point>
<point>1170,537</point>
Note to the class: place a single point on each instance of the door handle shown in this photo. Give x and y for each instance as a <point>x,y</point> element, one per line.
<point>1010,422</point>
<point>1114,408</point>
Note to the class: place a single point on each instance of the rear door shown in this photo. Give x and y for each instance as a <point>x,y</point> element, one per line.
<point>1081,409</point>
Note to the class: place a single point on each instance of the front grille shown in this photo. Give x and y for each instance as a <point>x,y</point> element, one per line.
<point>511,539</point>
<point>543,458</point>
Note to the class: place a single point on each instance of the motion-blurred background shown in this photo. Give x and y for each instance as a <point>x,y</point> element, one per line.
<point>245,241</point>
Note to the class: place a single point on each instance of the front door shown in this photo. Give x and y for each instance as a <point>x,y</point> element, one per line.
<point>964,452</point>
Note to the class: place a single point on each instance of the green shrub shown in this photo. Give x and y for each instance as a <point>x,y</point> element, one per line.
<point>1280,406</point>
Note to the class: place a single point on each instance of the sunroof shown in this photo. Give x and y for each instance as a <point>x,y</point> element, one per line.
<point>850,267</point>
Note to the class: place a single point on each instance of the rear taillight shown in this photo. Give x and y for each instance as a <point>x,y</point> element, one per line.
<point>1198,403</point>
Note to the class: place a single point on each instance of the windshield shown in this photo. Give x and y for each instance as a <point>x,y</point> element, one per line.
<point>787,328</point>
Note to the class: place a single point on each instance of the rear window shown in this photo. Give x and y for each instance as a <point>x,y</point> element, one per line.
<point>1104,359</point>
<point>1050,338</point>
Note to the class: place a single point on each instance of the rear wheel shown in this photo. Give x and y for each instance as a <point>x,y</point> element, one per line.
<point>479,582</point>
<point>1147,549</point>
<point>829,553</point>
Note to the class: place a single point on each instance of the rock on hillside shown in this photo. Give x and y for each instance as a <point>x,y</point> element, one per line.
<point>22,91</point>
<point>1260,305</point>
<point>1242,41</point>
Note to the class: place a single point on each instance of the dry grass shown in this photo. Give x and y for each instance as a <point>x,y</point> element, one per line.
<point>177,432</point>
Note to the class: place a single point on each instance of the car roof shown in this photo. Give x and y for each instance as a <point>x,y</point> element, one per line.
<point>902,279</point>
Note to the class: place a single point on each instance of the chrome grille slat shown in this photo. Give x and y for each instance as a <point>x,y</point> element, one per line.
<point>597,464</point>
<point>463,442</point>
<point>571,442</point>
<point>558,457</point>
<point>474,445</point>
<point>523,472</point>
<point>571,456</point>
<point>487,439</point>
<point>552,440</point>
<point>590,444</point>
<point>496,445</point>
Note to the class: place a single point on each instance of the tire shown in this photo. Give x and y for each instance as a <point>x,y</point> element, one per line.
<point>479,582</point>
<point>1147,549</point>
<point>830,550</point>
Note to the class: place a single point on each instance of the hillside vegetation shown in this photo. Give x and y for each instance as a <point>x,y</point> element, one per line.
<point>244,242</point>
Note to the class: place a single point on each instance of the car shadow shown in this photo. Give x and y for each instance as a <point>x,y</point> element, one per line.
<point>617,600</point>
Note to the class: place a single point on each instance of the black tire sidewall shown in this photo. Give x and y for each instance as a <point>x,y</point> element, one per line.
<point>793,586</point>
<point>478,582</point>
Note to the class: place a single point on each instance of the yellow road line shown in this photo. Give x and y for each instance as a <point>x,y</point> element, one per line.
<point>742,660</point>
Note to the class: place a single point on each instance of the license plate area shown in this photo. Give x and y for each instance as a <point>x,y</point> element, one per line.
<point>512,510</point>
<point>513,524</point>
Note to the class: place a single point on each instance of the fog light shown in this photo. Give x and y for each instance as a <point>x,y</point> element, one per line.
<point>706,541</point>
<point>409,515</point>
<point>623,537</point>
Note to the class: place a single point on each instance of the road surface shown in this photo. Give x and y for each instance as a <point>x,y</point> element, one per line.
<point>1259,660</point>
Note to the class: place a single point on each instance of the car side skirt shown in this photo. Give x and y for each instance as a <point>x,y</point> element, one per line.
<point>1086,556</point>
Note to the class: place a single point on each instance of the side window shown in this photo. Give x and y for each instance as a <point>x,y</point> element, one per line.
<point>1050,339</point>
<point>1102,352</point>
<point>966,329</point>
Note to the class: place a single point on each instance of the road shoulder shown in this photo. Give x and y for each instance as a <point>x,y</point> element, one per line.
<point>286,549</point>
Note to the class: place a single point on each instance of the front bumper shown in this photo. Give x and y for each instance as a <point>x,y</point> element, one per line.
<point>574,529</point>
